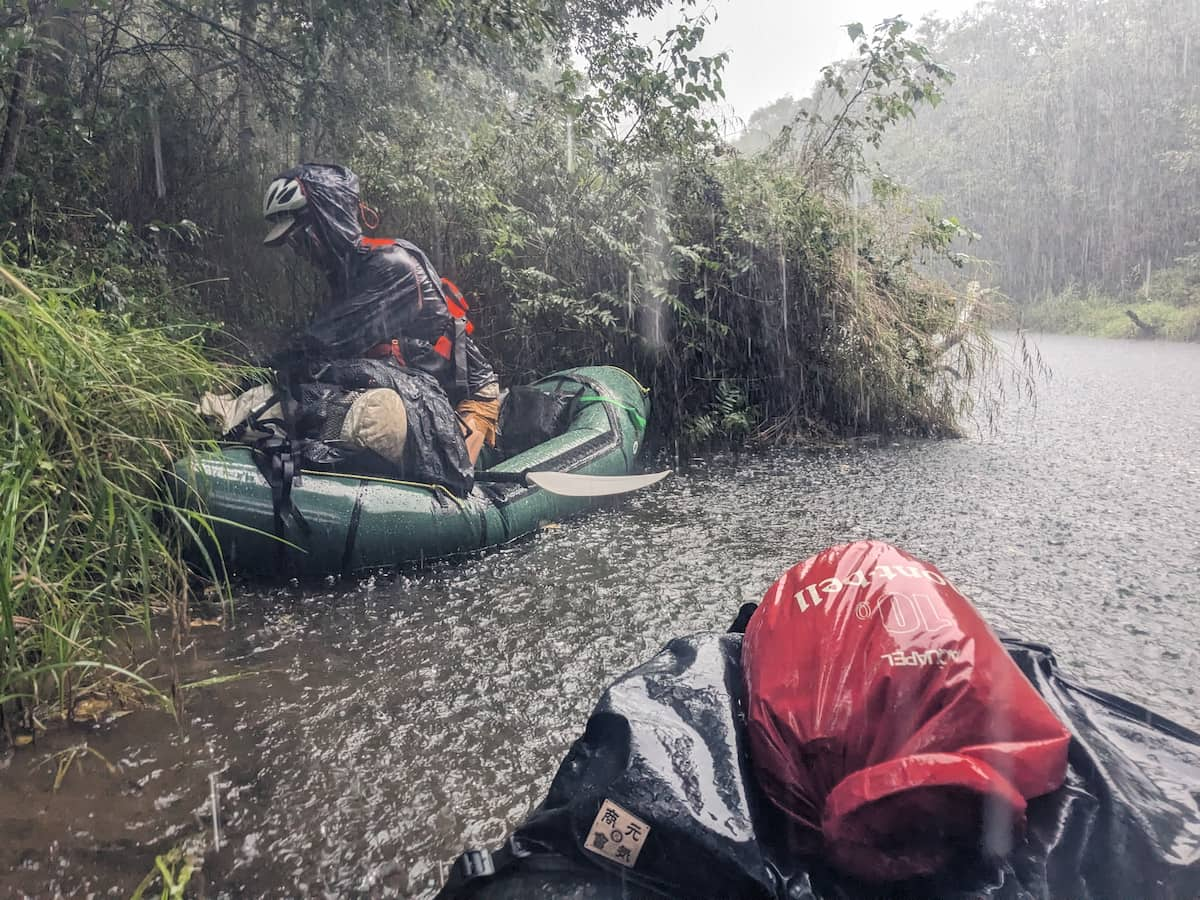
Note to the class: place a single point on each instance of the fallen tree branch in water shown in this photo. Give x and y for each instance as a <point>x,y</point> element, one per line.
<point>1144,329</point>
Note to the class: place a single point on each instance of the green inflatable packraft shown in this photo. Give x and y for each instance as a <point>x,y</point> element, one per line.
<point>347,523</point>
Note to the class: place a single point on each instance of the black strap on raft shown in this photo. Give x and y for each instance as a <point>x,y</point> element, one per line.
<point>282,473</point>
<point>460,355</point>
<point>474,865</point>
<point>281,461</point>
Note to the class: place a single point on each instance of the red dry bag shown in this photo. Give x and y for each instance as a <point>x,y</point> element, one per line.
<point>887,720</point>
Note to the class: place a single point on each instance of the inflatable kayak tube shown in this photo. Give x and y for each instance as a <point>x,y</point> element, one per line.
<point>349,523</point>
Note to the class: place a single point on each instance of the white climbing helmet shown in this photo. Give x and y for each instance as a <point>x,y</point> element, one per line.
<point>283,203</point>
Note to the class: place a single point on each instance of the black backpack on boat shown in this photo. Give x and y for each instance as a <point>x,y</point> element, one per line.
<point>530,416</point>
<point>435,451</point>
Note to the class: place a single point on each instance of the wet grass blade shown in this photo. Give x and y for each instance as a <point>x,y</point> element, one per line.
<point>224,679</point>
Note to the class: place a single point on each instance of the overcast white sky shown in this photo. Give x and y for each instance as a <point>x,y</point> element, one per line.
<point>778,47</point>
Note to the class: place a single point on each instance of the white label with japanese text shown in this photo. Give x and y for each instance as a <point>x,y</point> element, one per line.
<point>617,834</point>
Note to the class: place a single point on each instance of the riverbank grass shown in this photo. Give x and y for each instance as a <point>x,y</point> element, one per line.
<point>93,410</point>
<point>1167,306</point>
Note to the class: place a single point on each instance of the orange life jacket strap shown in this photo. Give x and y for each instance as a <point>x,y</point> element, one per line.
<point>457,303</point>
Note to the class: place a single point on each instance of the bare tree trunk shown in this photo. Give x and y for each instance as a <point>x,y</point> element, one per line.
<point>15,122</point>
<point>160,181</point>
<point>305,120</point>
<point>246,27</point>
<point>18,95</point>
<point>314,66</point>
<point>1144,329</point>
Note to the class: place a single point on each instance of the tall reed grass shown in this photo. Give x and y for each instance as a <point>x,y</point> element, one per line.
<point>93,409</point>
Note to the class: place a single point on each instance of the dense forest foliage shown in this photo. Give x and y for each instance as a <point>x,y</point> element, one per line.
<point>566,174</point>
<point>1070,142</point>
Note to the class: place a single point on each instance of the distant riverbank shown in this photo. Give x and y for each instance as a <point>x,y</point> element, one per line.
<point>1167,307</point>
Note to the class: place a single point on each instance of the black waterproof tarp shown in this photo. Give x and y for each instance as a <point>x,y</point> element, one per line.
<point>666,745</point>
<point>434,451</point>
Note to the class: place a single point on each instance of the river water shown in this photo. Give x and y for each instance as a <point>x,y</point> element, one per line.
<point>388,723</point>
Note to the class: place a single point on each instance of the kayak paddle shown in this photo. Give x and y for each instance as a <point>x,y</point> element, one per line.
<point>570,484</point>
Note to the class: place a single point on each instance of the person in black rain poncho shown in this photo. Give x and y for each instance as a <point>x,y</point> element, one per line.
<point>386,299</point>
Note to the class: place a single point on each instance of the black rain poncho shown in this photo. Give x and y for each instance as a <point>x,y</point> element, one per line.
<point>379,291</point>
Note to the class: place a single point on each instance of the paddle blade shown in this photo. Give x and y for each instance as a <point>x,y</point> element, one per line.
<point>568,484</point>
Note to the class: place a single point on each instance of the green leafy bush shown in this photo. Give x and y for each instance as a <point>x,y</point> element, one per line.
<point>601,219</point>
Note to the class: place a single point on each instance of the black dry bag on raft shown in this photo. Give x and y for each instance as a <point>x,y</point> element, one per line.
<point>529,417</point>
<point>659,798</point>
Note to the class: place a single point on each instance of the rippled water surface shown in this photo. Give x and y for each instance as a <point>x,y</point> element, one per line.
<point>393,721</point>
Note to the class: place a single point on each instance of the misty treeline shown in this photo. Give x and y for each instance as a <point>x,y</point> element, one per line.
<point>1070,141</point>
<point>568,176</point>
